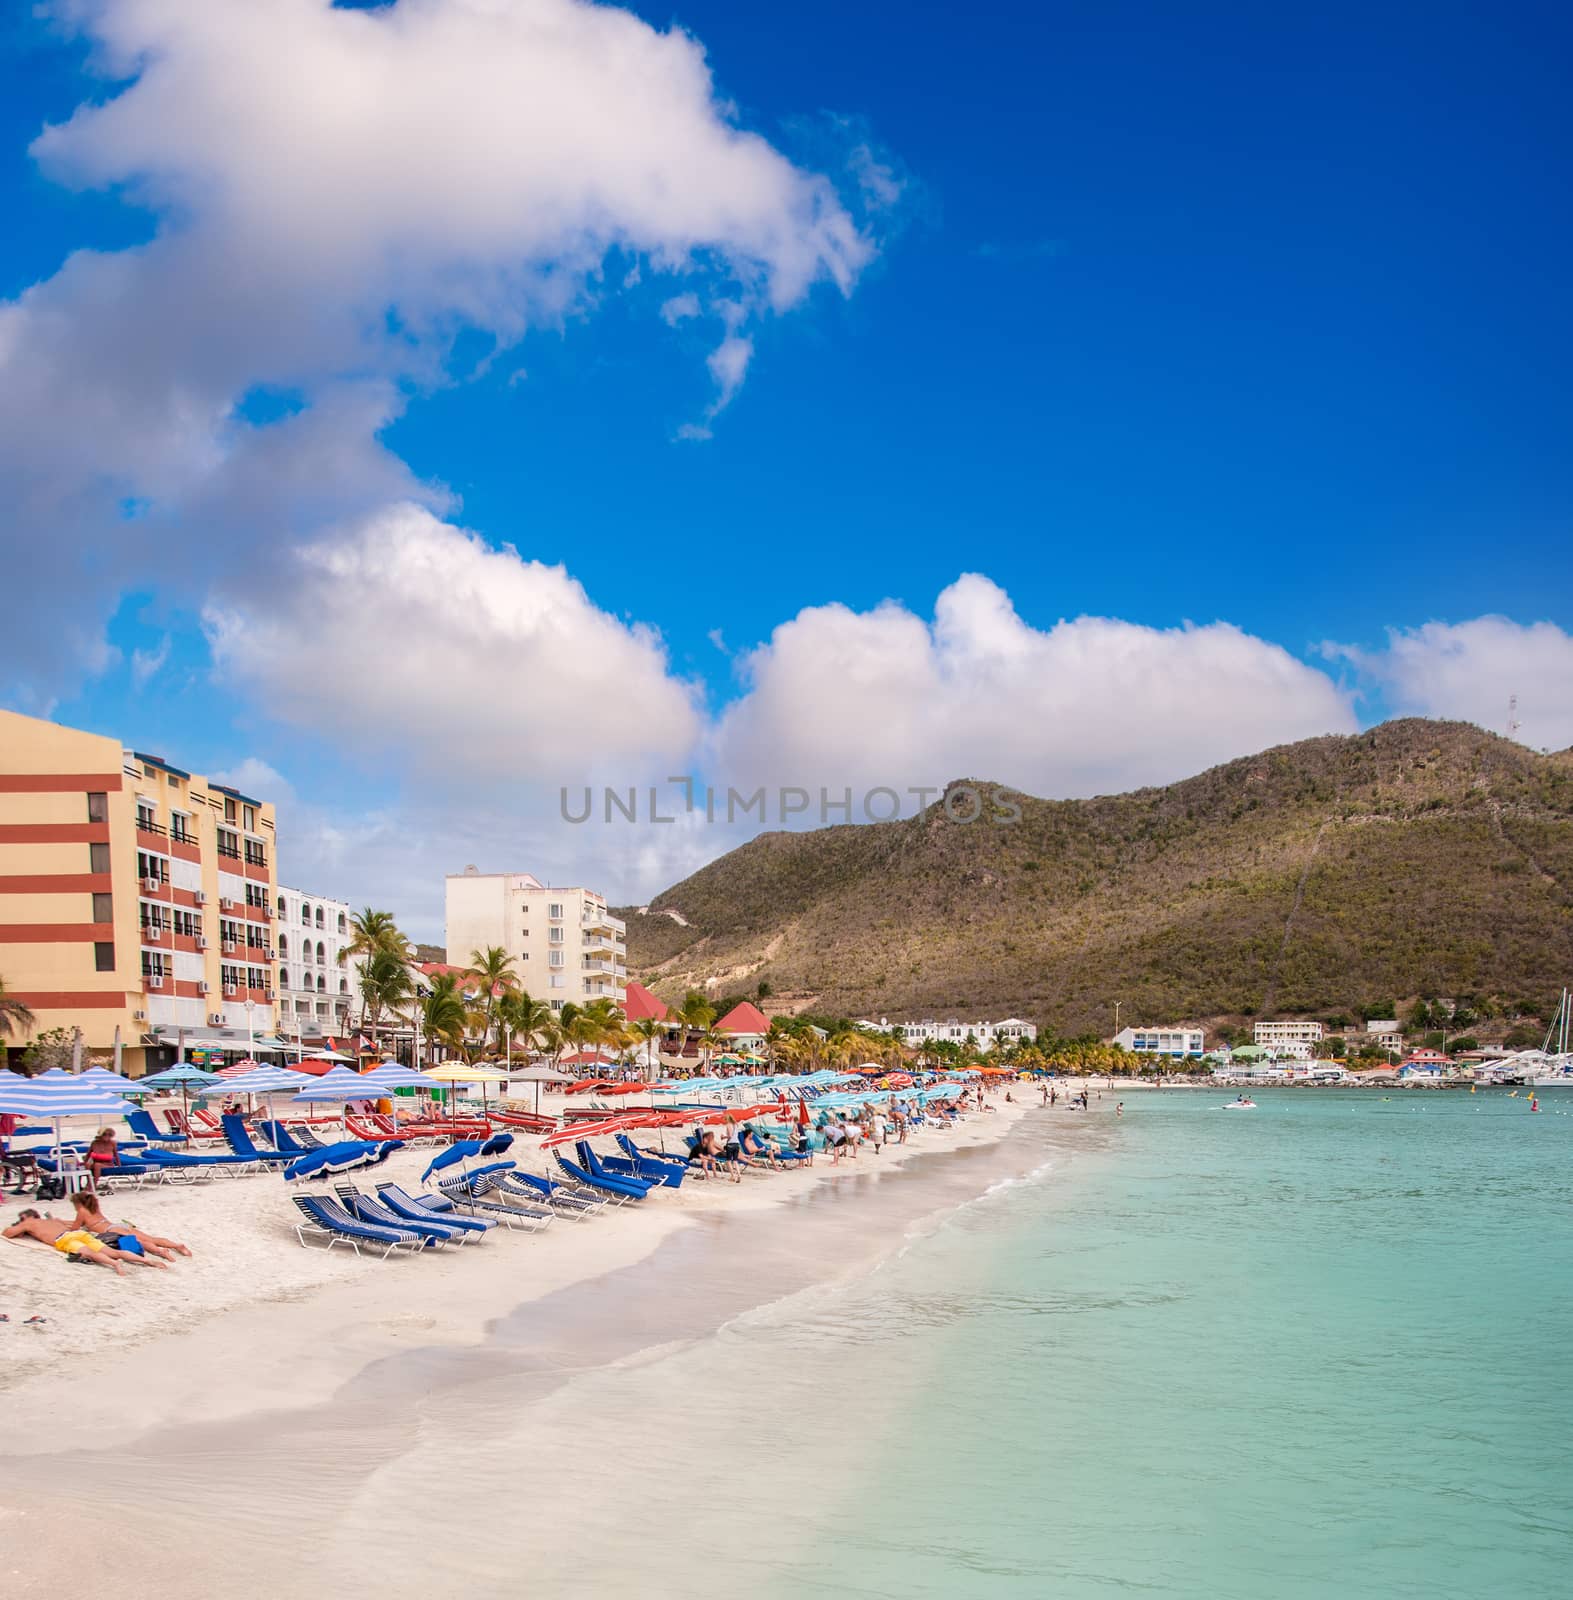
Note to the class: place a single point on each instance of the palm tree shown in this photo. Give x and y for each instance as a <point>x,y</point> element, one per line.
<point>523,1017</point>
<point>385,985</point>
<point>14,1016</point>
<point>371,931</point>
<point>441,1011</point>
<point>492,969</point>
<point>648,1030</point>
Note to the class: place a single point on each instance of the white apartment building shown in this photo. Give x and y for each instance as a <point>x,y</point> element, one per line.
<point>315,985</point>
<point>564,943</point>
<point>985,1035</point>
<point>1295,1031</point>
<point>1176,1040</point>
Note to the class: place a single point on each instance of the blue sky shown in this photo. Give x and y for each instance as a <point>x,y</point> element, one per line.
<point>1215,314</point>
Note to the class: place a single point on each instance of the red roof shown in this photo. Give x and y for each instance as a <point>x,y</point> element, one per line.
<point>744,1017</point>
<point>639,1003</point>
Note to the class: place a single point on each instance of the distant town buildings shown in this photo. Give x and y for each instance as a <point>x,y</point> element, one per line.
<point>564,943</point>
<point>1175,1040</point>
<point>315,986</point>
<point>985,1035</point>
<point>1388,1028</point>
<point>1293,1040</point>
<point>136,898</point>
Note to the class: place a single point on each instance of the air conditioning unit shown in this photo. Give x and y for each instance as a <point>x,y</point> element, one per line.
<point>215,1019</point>
<point>139,1016</point>
<point>231,990</point>
<point>226,904</point>
<point>199,897</point>
<point>230,946</point>
<point>202,987</point>
<point>201,941</point>
<point>270,994</point>
<point>152,885</point>
<point>154,980</point>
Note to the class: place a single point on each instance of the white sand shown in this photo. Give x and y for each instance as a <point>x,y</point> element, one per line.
<point>253,1322</point>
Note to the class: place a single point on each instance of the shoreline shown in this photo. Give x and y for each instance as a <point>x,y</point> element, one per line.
<point>324,1320</point>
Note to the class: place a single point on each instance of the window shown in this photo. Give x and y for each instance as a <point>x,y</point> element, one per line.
<point>281,905</point>
<point>104,957</point>
<point>229,810</point>
<point>555,910</point>
<point>103,911</point>
<point>98,858</point>
<point>228,844</point>
<point>97,807</point>
<point>180,828</point>
<point>249,819</point>
<point>319,924</point>
<point>322,984</point>
<point>283,946</point>
<point>556,958</point>
<point>283,977</point>
<point>320,956</point>
<point>146,816</point>
<point>554,935</point>
<point>342,927</point>
<point>344,987</point>
<point>152,964</point>
<point>322,1008</point>
<point>557,983</point>
<point>305,913</point>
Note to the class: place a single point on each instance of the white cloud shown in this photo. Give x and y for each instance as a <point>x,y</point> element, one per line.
<point>1089,706</point>
<point>680,308</point>
<point>340,193</point>
<point>1470,671</point>
<point>406,634</point>
<point>147,664</point>
<point>257,778</point>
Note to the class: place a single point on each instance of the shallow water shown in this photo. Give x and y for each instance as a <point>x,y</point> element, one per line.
<point>1310,1350</point>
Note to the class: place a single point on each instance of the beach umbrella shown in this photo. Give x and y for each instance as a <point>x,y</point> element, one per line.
<point>345,1157</point>
<point>391,1075</point>
<point>182,1077</point>
<point>457,1072</point>
<point>460,1150</point>
<point>57,1096</point>
<point>106,1079</point>
<point>338,1087</point>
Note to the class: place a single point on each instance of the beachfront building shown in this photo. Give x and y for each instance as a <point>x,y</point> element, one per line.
<point>744,1028</point>
<point>984,1035</point>
<point>315,987</point>
<point>1293,1040</point>
<point>136,898</point>
<point>1424,1065</point>
<point>1175,1040</point>
<point>564,943</point>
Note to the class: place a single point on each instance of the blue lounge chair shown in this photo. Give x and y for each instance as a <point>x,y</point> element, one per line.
<point>230,1166</point>
<point>365,1209</point>
<point>592,1163</point>
<point>469,1191</point>
<point>572,1202</point>
<point>143,1125</point>
<point>435,1208</point>
<point>284,1139</point>
<point>238,1137</point>
<point>327,1219</point>
<point>641,1164</point>
<point>619,1189</point>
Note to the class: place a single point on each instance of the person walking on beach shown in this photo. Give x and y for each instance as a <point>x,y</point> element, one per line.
<point>1119,1110</point>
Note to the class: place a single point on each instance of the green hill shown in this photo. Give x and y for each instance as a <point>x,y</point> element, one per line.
<point>1417,858</point>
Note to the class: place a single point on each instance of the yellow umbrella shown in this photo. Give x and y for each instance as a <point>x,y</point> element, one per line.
<point>463,1072</point>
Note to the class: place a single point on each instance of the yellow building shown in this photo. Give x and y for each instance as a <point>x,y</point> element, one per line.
<point>134,897</point>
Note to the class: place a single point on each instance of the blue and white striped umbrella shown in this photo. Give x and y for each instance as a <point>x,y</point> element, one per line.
<point>182,1076</point>
<point>338,1086</point>
<point>391,1075</point>
<point>266,1081</point>
<point>53,1100</point>
<point>344,1157</point>
<point>106,1079</point>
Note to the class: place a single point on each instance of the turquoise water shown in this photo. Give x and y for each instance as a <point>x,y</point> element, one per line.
<point>1316,1349</point>
<point>1313,1350</point>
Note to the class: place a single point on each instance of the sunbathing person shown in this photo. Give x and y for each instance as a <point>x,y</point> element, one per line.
<point>114,1234</point>
<point>715,1155</point>
<point>74,1243</point>
<point>103,1153</point>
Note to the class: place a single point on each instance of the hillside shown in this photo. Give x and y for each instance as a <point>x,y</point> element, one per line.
<point>1417,858</point>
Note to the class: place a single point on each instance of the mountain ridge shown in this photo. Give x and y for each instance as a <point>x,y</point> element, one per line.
<point>1418,857</point>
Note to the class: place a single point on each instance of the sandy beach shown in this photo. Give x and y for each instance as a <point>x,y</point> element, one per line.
<point>253,1323</point>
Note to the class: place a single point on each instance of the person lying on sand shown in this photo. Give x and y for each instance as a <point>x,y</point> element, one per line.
<point>74,1243</point>
<point>114,1234</point>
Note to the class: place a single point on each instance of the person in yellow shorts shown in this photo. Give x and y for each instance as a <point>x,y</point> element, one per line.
<point>75,1244</point>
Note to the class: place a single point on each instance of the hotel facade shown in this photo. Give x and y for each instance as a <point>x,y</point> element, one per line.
<point>136,898</point>
<point>314,982</point>
<point>564,943</point>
